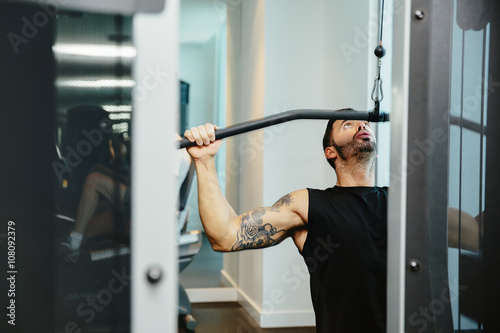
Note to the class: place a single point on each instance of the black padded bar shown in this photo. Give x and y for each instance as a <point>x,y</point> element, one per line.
<point>282,117</point>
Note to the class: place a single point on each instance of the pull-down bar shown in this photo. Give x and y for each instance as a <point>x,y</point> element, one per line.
<point>282,117</point>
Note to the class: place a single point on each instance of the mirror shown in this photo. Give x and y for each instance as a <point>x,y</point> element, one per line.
<point>467,162</point>
<point>93,81</point>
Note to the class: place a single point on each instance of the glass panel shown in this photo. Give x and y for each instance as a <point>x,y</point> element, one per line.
<point>469,95</point>
<point>202,64</point>
<point>93,55</point>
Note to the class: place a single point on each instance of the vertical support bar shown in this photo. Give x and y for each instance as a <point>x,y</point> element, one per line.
<point>427,306</point>
<point>419,167</point>
<point>398,171</point>
<point>156,100</point>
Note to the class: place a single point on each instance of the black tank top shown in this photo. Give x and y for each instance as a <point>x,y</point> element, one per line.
<point>346,254</point>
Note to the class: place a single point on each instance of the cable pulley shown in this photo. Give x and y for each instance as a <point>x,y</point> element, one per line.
<point>377,92</point>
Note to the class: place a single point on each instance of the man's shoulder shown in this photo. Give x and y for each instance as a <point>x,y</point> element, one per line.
<point>293,199</point>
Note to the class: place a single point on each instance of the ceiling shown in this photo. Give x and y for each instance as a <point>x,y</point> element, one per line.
<point>200,19</point>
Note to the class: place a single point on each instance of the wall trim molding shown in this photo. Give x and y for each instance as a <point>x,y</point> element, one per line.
<point>212,295</point>
<point>267,318</point>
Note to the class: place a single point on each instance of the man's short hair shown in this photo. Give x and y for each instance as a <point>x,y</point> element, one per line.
<point>328,140</point>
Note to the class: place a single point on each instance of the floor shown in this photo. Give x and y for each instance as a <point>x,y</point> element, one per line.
<point>231,318</point>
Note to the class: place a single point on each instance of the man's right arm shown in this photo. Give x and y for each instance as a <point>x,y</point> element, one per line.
<point>227,231</point>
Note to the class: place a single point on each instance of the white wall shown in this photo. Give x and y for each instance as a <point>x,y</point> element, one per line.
<point>286,54</point>
<point>197,67</point>
<point>249,149</point>
<point>293,155</point>
<point>232,179</point>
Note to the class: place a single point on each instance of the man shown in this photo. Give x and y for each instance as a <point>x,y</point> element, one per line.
<point>341,232</point>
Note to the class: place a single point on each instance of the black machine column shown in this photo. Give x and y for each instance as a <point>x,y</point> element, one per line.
<point>491,245</point>
<point>26,178</point>
<point>427,168</point>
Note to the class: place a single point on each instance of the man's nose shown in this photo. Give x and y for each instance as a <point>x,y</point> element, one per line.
<point>361,126</point>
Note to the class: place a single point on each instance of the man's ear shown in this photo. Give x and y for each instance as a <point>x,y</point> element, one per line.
<point>330,153</point>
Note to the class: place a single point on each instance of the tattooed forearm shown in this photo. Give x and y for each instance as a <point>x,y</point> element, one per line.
<point>284,201</point>
<point>254,233</point>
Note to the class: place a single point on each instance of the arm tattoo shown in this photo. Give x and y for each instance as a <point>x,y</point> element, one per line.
<point>284,201</point>
<point>254,233</point>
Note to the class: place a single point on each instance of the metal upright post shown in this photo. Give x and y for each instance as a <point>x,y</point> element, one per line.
<point>419,167</point>
<point>427,310</point>
<point>156,104</point>
<point>398,172</point>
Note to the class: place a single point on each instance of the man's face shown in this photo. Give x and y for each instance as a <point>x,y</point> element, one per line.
<point>353,138</point>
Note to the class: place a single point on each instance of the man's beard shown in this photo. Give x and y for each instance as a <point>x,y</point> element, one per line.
<point>361,151</point>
